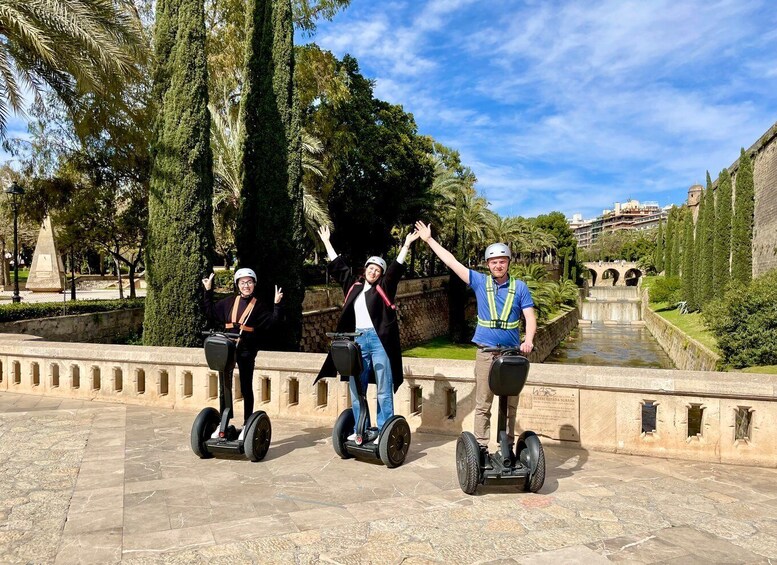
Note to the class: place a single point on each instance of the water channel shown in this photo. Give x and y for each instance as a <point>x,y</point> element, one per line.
<point>611,334</point>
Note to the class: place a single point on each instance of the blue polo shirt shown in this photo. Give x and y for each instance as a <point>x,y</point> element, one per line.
<point>492,337</point>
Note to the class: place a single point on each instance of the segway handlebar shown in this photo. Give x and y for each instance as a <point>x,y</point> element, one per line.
<point>230,335</point>
<point>504,350</point>
<point>343,335</point>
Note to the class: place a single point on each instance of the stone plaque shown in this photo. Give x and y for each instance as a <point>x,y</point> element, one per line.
<point>550,412</point>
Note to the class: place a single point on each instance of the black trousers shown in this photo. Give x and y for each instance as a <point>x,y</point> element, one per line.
<point>246,361</point>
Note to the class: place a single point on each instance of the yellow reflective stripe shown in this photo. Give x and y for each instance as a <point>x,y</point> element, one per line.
<point>508,305</point>
<point>490,299</point>
<point>495,323</point>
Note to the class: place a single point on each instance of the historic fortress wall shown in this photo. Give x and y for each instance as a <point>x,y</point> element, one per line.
<point>764,155</point>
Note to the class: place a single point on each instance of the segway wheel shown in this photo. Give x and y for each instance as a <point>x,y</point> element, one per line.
<point>532,456</point>
<point>257,437</point>
<point>394,442</point>
<point>206,422</point>
<point>343,428</point>
<point>468,462</point>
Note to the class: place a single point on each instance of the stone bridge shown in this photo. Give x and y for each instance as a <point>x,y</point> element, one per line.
<point>619,273</point>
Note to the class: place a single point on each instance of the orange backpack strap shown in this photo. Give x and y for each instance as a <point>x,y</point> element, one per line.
<point>246,314</point>
<point>233,314</point>
<point>347,294</point>
<point>385,298</point>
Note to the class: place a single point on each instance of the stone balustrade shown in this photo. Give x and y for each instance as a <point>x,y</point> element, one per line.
<point>709,416</point>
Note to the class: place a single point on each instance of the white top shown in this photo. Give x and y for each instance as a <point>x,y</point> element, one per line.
<point>363,320</point>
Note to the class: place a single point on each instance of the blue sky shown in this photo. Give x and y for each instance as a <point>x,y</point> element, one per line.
<point>575,105</point>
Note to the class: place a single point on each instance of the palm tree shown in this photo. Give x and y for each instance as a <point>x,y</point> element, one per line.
<point>313,207</point>
<point>225,133</point>
<point>71,46</point>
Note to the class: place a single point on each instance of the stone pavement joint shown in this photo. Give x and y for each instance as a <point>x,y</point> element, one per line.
<point>88,482</point>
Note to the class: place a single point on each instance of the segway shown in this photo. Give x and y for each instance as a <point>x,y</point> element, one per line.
<point>526,466</point>
<point>212,434</point>
<point>394,440</point>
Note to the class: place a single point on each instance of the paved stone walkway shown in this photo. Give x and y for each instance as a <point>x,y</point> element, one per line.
<point>88,482</point>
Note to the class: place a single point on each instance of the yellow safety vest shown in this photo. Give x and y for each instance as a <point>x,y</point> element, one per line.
<point>499,322</point>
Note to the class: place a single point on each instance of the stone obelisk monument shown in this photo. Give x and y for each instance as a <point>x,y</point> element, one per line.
<point>47,273</point>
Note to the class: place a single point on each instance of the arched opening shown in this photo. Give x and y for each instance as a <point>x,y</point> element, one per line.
<point>632,276</point>
<point>610,277</point>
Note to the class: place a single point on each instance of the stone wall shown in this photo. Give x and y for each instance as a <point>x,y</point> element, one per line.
<point>553,333</point>
<point>685,352</point>
<point>95,327</point>
<point>710,416</point>
<point>764,154</point>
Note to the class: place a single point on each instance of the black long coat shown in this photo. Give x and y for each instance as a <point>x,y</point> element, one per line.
<point>383,318</point>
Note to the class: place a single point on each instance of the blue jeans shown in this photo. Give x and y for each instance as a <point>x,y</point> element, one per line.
<point>374,357</point>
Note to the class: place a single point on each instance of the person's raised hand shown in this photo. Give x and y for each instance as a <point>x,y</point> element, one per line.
<point>278,294</point>
<point>323,232</point>
<point>411,237</point>
<point>424,230</point>
<point>208,283</point>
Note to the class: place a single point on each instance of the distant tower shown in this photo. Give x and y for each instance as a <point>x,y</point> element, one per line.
<point>694,194</point>
<point>694,198</point>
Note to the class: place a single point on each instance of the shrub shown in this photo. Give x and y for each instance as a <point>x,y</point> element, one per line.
<point>744,322</point>
<point>21,311</point>
<point>666,289</point>
<point>223,280</point>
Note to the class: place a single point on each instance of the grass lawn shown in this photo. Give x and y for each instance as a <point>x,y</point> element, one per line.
<point>442,348</point>
<point>691,324</point>
<point>769,369</point>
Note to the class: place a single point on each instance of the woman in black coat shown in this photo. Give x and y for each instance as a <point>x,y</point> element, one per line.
<point>369,308</point>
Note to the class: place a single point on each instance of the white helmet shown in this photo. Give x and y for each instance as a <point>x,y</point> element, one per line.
<point>375,260</point>
<point>240,273</point>
<point>497,250</point>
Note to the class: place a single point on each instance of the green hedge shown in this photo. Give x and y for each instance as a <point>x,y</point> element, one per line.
<point>665,289</point>
<point>744,321</point>
<point>13,312</point>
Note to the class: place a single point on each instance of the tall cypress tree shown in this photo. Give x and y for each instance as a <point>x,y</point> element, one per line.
<point>742,228</point>
<point>670,226</point>
<point>270,231</point>
<point>688,261</point>
<point>658,257</point>
<point>704,244</point>
<point>180,233</point>
<point>676,244</point>
<point>677,238</point>
<point>722,257</point>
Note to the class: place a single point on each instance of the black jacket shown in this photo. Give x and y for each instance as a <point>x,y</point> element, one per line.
<point>264,320</point>
<point>383,318</point>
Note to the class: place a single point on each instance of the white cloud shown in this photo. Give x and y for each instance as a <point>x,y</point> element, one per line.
<point>562,103</point>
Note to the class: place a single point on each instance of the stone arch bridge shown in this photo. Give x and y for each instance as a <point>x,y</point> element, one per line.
<point>614,273</point>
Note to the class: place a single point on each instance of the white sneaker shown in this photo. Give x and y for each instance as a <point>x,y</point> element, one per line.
<point>352,437</point>
<point>215,435</point>
<point>377,439</point>
<point>242,435</point>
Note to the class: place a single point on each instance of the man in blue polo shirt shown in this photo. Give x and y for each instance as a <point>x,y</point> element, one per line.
<point>501,300</point>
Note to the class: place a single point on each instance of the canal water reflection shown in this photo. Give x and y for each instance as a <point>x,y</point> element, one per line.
<point>620,345</point>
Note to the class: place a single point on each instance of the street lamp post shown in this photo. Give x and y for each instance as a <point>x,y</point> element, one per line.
<point>15,193</point>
